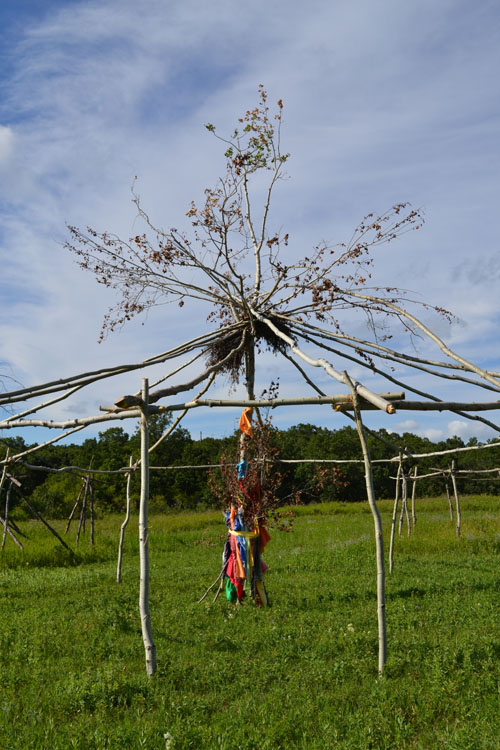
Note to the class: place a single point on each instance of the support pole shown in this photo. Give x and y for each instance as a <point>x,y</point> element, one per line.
<point>379,538</point>
<point>6,521</point>
<point>450,506</point>
<point>394,516</point>
<point>457,500</point>
<point>124,526</point>
<point>147,633</point>
<point>413,493</point>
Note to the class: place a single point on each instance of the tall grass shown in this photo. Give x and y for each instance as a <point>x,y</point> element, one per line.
<point>300,674</point>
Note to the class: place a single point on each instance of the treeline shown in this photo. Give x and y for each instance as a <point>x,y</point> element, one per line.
<point>55,494</point>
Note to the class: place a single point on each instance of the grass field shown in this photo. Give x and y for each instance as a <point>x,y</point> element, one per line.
<point>300,674</point>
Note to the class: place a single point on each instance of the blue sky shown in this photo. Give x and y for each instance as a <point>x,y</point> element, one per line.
<point>384,102</point>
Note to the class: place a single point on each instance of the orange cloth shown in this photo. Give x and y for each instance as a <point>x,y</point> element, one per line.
<point>246,421</point>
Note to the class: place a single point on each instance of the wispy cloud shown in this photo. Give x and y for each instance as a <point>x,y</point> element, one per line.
<point>384,102</point>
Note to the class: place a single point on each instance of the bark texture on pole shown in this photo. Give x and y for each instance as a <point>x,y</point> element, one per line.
<point>379,538</point>
<point>147,633</point>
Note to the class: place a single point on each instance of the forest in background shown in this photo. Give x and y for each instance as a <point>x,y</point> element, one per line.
<point>55,494</point>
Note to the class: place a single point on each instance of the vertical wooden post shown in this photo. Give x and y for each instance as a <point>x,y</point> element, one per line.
<point>379,538</point>
<point>413,493</point>
<point>7,499</point>
<point>147,633</point>
<point>124,525</point>
<point>450,506</point>
<point>394,516</point>
<point>6,521</point>
<point>457,500</point>
<point>92,518</point>
<point>404,502</point>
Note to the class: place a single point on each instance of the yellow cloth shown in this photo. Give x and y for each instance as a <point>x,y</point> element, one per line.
<point>247,534</point>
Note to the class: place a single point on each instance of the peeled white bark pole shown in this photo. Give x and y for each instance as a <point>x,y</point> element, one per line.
<point>379,538</point>
<point>394,516</point>
<point>123,527</point>
<point>147,634</point>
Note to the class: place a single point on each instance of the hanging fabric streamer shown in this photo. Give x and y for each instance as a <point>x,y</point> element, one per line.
<point>242,558</point>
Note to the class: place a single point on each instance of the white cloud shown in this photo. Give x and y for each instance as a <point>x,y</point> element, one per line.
<point>402,105</point>
<point>409,425</point>
<point>6,142</point>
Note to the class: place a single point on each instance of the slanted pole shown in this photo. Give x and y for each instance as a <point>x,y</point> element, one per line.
<point>147,633</point>
<point>379,538</point>
<point>457,500</point>
<point>450,506</point>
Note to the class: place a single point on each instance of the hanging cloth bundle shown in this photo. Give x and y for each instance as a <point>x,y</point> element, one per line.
<point>242,562</point>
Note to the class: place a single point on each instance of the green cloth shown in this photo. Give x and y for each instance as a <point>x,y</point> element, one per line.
<point>231,594</point>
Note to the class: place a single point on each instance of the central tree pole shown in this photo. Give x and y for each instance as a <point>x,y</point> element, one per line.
<point>147,633</point>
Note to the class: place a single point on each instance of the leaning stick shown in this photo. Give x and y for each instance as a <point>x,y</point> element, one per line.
<point>75,506</point>
<point>81,525</point>
<point>440,343</point>
<point>33,409</point>
<point>22,394</point>
<point>11,533</point>
<point>396,381</point>
<point>402,359</point>
<point>365,393</point>
<point>379,539</point>
<point>124,525</point>
<point>38,515</point>
<point>126,402</point>
<point>213,584</point>
<point>457,500</point>
<point>356,343</point>
<point>450,505</point>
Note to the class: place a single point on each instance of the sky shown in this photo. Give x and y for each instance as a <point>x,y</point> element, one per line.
<point>383,102</point>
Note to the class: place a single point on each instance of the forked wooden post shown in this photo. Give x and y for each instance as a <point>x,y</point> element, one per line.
<point>379,538</point>
<point>147,633</point>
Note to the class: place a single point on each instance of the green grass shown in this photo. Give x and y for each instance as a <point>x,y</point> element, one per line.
<point>300,674</point>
